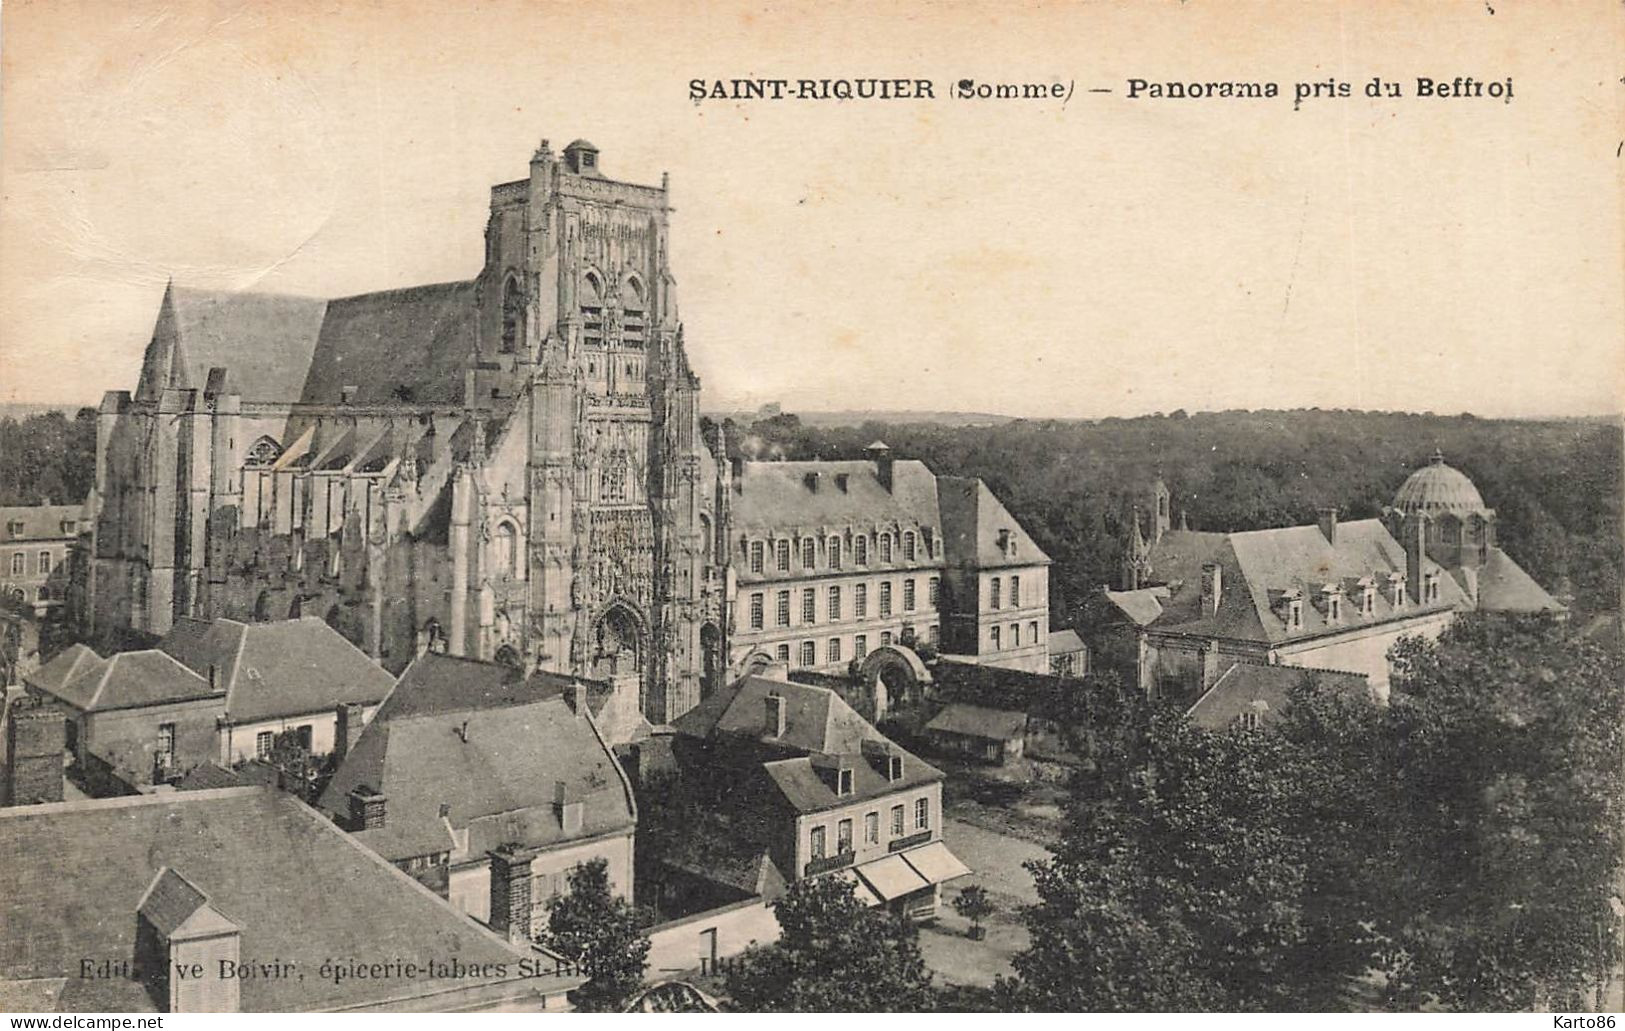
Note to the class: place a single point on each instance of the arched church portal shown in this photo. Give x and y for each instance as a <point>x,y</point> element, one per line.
<point>617,643</point>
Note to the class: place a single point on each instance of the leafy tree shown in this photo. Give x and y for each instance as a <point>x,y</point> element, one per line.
<point>598,930</point>
<point>1504,752</point>
<point>974,905</point>
<point>835,955</point>
<point>1186,879</point>
<point>1463,841</point>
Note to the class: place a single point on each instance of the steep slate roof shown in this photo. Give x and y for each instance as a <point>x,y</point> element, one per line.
<point>494,756</point>
<point>818,724</point>
<point>979,721</point>
<point>127,680</point>
<point>412,342</point>
<point>40,522</point>
<point>775,496</point>
<point>264,341</point>
<point>296,885</point>
<point>1504,586</point>
<point>972,519</point>
<point>290,667</point>
<point>816,719</point>
<point>1245,685</point>
<point>1256,565</point>
<point>797,779</point>
<point>392,345</point>
<point>435,683</point>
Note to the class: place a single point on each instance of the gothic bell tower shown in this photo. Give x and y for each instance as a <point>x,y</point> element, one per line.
<point>577,300</point>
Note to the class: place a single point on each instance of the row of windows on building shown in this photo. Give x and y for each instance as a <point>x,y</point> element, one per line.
<point>806,653</point>
<point>998,639</point>
<point>19,563</point>
<point>913,547</point>
<point>819,843</point>
<point>996,595</point>
<point>16,528</point>
<point>265,740</point>
<point>834,604</point>
<point>1365,604</point>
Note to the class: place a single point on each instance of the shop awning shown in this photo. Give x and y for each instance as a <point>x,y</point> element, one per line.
<point>935,863</point>
<point>891,878</point>
<point>859,890</point>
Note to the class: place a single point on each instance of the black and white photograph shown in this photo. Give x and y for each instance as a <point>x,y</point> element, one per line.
<point>534,506</point>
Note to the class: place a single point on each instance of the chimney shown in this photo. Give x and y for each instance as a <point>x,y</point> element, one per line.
<point>880,455</point>
<point>567,808</point>
<point>1212,587</point>
<point>347,729</point>
<point>811,480</point>
<point>1210,664</point>
<point>367,808</point>
<point>773,725</point>
<point>1328,525</point>
<point>510,893</point>
<point>1415,532</point>
<point>576,697</point>
<point>35,737</point>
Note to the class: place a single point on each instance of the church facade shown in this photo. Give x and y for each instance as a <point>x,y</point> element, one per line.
<point>507,468</point>
<point>510,468</point>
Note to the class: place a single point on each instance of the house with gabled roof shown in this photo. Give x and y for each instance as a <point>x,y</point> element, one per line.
<point>264,903</point>
<point>1335,595</point>
<point>489,787</point>
<point>219,691</point>
<point>795,774</point>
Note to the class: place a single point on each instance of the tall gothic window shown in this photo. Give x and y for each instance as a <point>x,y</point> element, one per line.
<point>513,315</point>
<point>613,484</point>
<point>507,549</point>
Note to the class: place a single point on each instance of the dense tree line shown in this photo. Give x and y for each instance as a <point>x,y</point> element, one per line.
<point>47,458</point>
<point>1458,848</point>
<point>1554,484</point>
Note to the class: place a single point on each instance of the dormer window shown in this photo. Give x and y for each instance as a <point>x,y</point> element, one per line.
<point>1294,614</point>
<point>843,782</point>
<point>834,553</point>
<point>809,553</point>
<point>908,547</point>
<point>1334,604</point>
<point>894,768</point>
<point>773,714</point>
<point>1368,600</point>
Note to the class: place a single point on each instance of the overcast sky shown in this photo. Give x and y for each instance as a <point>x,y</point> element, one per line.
<point>1105,256</point>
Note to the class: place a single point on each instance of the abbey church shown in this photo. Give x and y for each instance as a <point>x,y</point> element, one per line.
<point>511,468</point>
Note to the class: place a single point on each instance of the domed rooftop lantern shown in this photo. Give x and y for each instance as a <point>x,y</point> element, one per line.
<point>1437,488</point>
<point>581,158</point>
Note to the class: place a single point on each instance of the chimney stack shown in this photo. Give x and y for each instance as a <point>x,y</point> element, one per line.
<point>880,455</point>
<point>347,729</point>
<point>36,734</point>
<point>367,808</point>
<point>811,480</point>
<point>1212,587</point>
<point>1328,525</point>
<point>510,893</point>
<point>1415,532</point>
